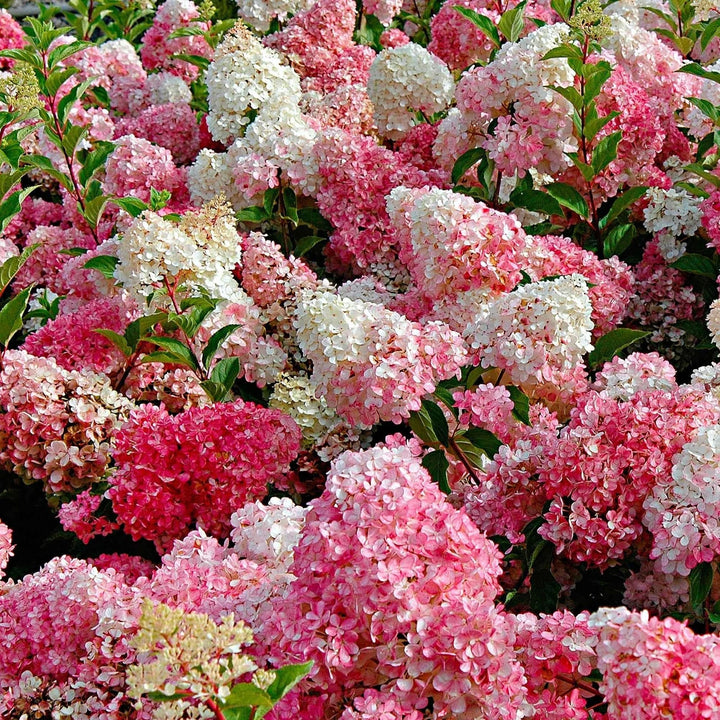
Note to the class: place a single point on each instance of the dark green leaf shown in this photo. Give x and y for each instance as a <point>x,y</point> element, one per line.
<point>167,358</point>
<point>95,160</point>
<point>521,404</point>
<point>606,151</point>
<point>709,32</point>
<point>696,265</point>
<point>56,79</point>
<point>700,71</point>
<point>313,218</point>
<point>485,24</point>
<point>420,424</point>
<point>306,244</point>
<point>706,108</point>
<point>197,60</point>
<point>221,380</point>
<point>269,198</point>
<point>137,329</point>
<point>570,94</point>
<point>132,206</point>
<point>215,341</point>
<point>618,240</point>
<point>701,579</point>
<point>610,344</point>
<point>290,205</point>
<point>544,592</point>
<point>286,678</point>
<point>569,197</point>
<point>564,51</point>
<point>511,23</point>
<point>11,206</point>
<point>483,439</point>
<point>623,201</point>
<point>446,398</point>
<point>465,162</point>
<point>105,264</point>
<point>536,201</point>
<point>437,421</point>
<point>594,125</point>
<point>11,315</point>
<point>436,463</point>
<point>62,52</point>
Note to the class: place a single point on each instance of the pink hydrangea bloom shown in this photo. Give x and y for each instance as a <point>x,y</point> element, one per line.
<point>171,125</point>
<point>196,467</point>
<point>6,547</point>
<point>56,425</point>
<point>395,591</point>
<point>71,338</point>
<point>393,37</point>
<point>656,668</point>
<point>371,363</point>
<point>130,567</point>
<point>11,36</point>
<point>158,48</point>
<point>79,516</point>
<point>711,218</point>
<point>316,37</point>
<point>136,165</point>
<point>383,10</point>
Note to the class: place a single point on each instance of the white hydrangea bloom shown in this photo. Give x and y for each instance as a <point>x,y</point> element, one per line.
<point>247,78</point>
<point>209,176</point>
<point>259,13</point>
<point>404,80</point>
<point>713,322</point>
<point>671,214</point>
<point>537,330</point>
<point>297,396</point>
<point>198,250</point>
<point>684,516</point>
<point>268,534</point>
<point>164,87</point>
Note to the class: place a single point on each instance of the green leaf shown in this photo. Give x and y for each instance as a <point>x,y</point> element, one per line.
<point>313,218</point>
<point>623,201</point>
<point>511,23</point>
<point>610,344</point>
<point>197,60</point>
<point>465,162</point>
<point>11,206</point>
<point>594,125</point>
<point>72,137</point>
<point>167,358</point>
<point>137,329</point>
<point>269,198</point>
<point>95,160</point>
<point>118,340</point>
<point>606,151</point>
<point>11,315</point>
<point>176,348</point>
<point>420,424</point>
<point>105,264</point>
<point>247,695</point>
<point>70,98</point>
<point>12,265</point>
<point>215,341</point>
<point>286,678</point>
<point>485,24</point>
<point>564,51</point>
<point>701,579</point>
<point>709,32</point>
<point>290,205</point>
<point>521,404</point>
<point>696,265</point>
<point>570,94</point>
<point>253,214</point>
<point>446,398</point>
<point>536,201</point>
<point>304,245</point>
<point>569,197</point>
<point>618,240</point>
<point>437,421</point>
<point>484,440</point>
<point>56,79</point>
<point>62,52</point>
<point>131,205</point>
<point>221,380</point>
<point>93,209</point>
<point>700,71</point>
<point>706,107</point>
<point>436,463</point>
<point>544,591</point>
<point>595,77</point>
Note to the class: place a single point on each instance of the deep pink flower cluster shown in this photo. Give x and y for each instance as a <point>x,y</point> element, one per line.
<point>6,546</point>
<point>11,36</point>
<point>196,467</point>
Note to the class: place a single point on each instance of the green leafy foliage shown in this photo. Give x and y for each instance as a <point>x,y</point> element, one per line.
<point>11,316</point>
<point>436,463</point>
<point>613,342</point>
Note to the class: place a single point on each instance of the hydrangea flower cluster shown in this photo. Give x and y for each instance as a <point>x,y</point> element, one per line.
<point>370,363</point>
<point>155,493</point>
